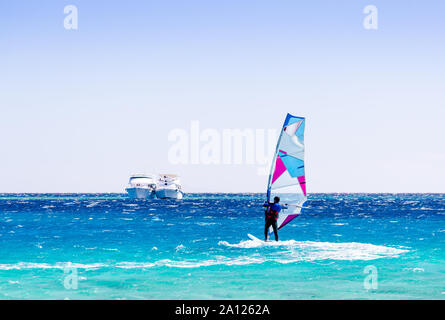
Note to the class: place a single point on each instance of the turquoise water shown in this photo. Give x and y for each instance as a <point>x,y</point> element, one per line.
<point>197,248</point>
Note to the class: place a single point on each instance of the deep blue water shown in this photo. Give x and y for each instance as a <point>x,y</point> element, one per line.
<point>197,248</point>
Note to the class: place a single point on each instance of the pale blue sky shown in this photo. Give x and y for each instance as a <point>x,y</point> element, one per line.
<point>81,110</point>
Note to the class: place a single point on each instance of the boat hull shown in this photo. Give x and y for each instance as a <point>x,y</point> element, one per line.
<point>140,193</point>
<point>164,193</point>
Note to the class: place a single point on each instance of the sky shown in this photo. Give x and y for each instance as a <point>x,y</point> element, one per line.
<point>81,110</point>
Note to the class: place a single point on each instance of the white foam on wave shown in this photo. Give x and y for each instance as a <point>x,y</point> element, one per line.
<point>203,224</point>
<point>138,265</point>
<point>180,247</point>
<point>285,252</point>
<point>58,265</point>
<point>191,263</point>
<point>318,251</point>
<point>92,204</point>
<point>257,244</point>
<point>311,250</point>
<point>414,269</point>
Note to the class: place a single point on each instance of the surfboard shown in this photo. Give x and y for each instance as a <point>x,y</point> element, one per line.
<point>253,238</point>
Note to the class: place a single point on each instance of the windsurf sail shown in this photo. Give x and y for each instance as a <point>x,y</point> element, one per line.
<point>287,179</point>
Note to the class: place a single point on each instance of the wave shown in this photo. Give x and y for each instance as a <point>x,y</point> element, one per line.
<point>136,265</point>
<point>191,264</point>
<point>92,204</point>
<point>203,224</point>
<point>290,251</point>
<point>58,265</point>
<point>311,250</point>
<point>181,247</point>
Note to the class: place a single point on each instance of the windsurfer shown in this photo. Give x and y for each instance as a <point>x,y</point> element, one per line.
<point>272,211</point>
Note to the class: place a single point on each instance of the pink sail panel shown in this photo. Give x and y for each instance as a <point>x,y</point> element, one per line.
<point>288,219</point>
<point>279,169</point>
<point>302,182</point>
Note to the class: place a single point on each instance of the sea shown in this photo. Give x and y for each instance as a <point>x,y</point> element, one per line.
<point>106,246</point>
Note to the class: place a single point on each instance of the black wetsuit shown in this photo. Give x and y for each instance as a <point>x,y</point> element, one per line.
<point>271,215</point>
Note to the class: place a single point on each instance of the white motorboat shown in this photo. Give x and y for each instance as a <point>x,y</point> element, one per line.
<point>169,187</point>
<point>141,186</point>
